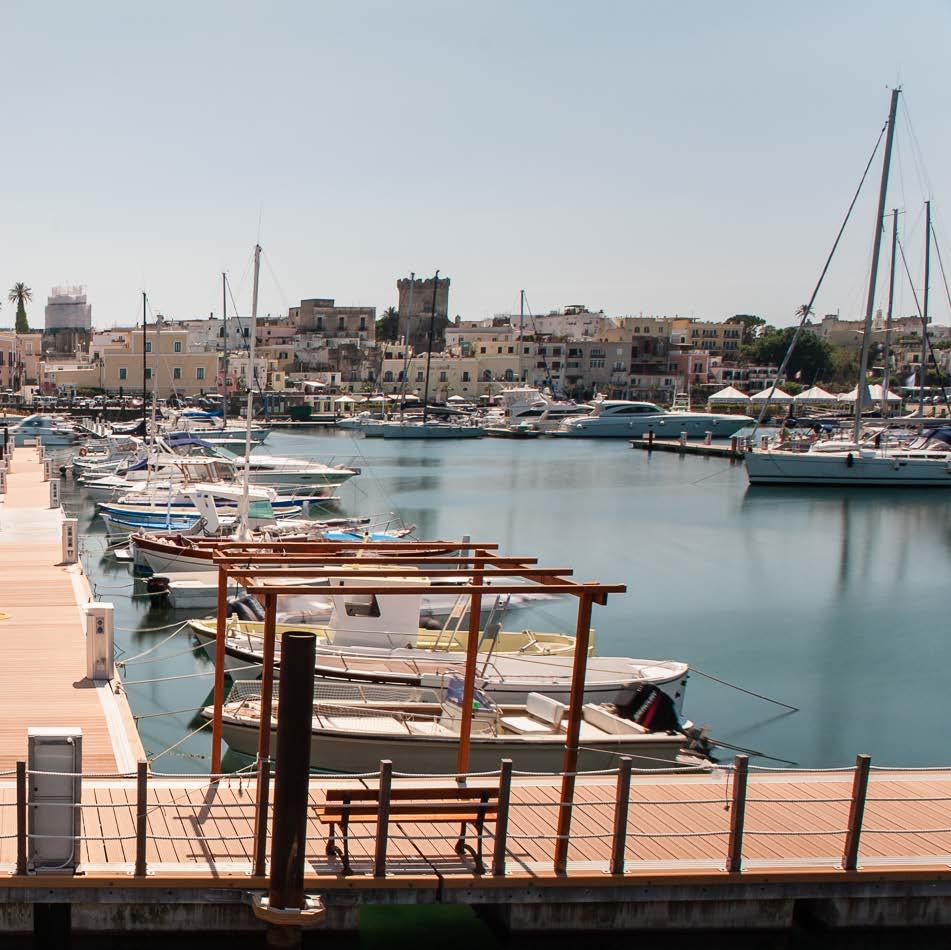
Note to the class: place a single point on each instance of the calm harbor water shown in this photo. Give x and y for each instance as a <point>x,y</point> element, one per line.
<point>830,600</point>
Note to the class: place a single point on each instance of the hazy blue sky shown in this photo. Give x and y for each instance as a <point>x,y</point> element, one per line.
<point>691,158</point>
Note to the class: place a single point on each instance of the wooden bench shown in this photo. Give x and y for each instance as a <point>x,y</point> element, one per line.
<point>458,804</point>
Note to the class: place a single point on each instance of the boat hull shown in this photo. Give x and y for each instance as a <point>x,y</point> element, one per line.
<point>668,426</point>
<point>353,752</point>
<point>771,467</point>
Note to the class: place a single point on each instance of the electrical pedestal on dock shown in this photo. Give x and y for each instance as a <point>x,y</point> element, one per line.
<point>100,664</point>
<point>54,780</point>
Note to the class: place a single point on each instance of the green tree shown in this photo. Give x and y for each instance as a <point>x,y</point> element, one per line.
<point>20,294</point>
<point>812,359</point>
<point>752,326</point>
<point>388,326</point>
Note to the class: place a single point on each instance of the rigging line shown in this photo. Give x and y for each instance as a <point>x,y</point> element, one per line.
<point>806,310</point>
<point>277,283</point>
<point>924,180</point>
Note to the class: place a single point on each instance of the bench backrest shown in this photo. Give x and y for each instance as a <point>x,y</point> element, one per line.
<point>463,793</point>
<point>544,708</point>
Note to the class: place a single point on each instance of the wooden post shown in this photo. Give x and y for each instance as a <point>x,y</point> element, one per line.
<point>573,729</point>
<point>295,714</point>
<point>472,651</point>
<point>502,821</point>
<point>219,670</point>
<point>141,815</point>
<point>21,817</point>
<point>650,440</point>
<point>260,816</point>
<point>850,854</point>
<point>383,818</point>
<point>734,857</point>
<point>621,805</point>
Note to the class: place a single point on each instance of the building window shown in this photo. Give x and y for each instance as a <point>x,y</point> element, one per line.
<point>465,376</point>
<point>487,376</point>
<point>148,372</point>
<point>482,350</point>
<point>148,346</point>
<point>200,372</point>
<point>509,376</point>
<point>177,372</point>
<point>123,373</point>
<point>420,376</point>
<point>443,377</point>
<point>178,346</point>
<point>511,349</point>
<point>363,323</point>
<point>247,331</point>
<point>388,376</point>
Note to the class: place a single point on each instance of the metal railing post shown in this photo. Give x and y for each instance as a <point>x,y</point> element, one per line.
<point>621,805</point>
<point>383,818</point>
<point>21,817</point>
<point>850,853</point>
<point>141,816</point>
<point>502,821</point>
<point>734,856</point>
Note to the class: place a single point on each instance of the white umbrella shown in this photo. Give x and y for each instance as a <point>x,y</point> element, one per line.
<point>729,394</point>
<point>344,399</point>
<point>456,399</point>
<point>817,396</point>
<point>778,395</point>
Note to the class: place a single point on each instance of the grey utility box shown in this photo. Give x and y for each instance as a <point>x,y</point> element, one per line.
<point>55,820</point>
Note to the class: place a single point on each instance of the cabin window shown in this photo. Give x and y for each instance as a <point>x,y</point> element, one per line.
<point>362,606</point>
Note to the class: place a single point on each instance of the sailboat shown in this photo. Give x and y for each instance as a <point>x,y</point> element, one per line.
<point>427,428</point>
<point>858,460</point>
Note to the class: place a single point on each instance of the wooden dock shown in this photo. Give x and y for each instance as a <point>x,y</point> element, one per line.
<point>734,449</point>
<point>845,847</point>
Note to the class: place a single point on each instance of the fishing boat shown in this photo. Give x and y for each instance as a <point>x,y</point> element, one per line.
<point>622,418</point>
<point>418,730</point>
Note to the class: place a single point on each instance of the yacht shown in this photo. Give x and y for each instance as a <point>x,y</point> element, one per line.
<point>46,429</point>
<point>621,418</point>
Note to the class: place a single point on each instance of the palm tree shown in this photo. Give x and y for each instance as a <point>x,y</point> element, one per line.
<point>20,294</point>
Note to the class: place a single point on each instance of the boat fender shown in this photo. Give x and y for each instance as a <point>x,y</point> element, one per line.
<point>895,464</point>
<point>849,460</point>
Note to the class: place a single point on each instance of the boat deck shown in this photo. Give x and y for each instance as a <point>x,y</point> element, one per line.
<point>42,676</point>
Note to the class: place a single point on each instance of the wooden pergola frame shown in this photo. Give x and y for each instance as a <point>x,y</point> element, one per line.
<point>253,564</point>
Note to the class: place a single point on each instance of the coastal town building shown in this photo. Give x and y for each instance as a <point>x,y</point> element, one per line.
<point>416,309</point>
<point>67,327</point>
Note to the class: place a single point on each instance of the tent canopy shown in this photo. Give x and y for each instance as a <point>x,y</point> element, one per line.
<point>874,393</point>
<point>344,399</point>
<point>729,394</point>
<point>816,394</point>
<point>777,397</point>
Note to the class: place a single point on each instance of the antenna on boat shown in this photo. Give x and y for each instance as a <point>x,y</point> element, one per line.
<point>243,532</point>
<point>861,389</point>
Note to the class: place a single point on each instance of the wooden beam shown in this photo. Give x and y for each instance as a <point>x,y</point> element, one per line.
<point>850,853</point>
<point>734,855</point>
<point>579,590</point>
<point>21,817</point>
<point>141,816</point>
<point>389,570</point>
<point>502,820</point>
<point>573,730</point>
<point>383,818</point>
<point>622,802</point>
<point>468,688</point>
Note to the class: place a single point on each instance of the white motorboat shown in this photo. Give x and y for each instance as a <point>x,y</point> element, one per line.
<point>45,429</point>
<point>428,430</point>
<point>621,418</point>
<point>418,730</point>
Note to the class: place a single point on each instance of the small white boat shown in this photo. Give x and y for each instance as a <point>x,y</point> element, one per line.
<point>428,430</point>
<point>46,429</point>
<point>418,730</point>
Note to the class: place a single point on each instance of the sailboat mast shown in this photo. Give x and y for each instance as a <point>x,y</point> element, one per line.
<point>924,313</point>
<point>521,316</point>
<point>243,533</point>
<point>888,316</point>
<point>224,359</point>
<point>429,349</point>
<point>861,389</point>
<point>145,398</point>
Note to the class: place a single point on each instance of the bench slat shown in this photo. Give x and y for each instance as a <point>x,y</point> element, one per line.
<point>408,794</point>
<point>438,819</point>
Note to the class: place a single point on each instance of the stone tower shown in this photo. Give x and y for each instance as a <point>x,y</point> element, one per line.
<point>422,309</point>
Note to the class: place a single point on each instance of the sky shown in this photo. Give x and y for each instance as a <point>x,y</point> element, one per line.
<point>691,158</point>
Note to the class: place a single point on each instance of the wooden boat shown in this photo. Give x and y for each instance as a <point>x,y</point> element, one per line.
<point>418,730</point>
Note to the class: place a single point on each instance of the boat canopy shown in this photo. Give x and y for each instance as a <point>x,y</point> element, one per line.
<point>817,396</point>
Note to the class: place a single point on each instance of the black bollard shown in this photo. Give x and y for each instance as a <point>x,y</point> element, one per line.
<point>295,706</point>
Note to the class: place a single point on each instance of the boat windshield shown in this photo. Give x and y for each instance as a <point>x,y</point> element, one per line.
<point>454,692</point>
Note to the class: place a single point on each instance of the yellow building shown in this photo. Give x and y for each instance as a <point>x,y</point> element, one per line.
<point>169,361</point>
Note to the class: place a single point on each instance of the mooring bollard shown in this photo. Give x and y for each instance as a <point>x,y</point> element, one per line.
<point>683,438</point>
<point>733,444</point>
<point>69,535</point>
<point>650,440</point>
<point>708,438</point>
<point>54,493</point>
<point>47,469</point>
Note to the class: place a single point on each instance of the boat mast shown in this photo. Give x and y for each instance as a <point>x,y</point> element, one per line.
<point>924,313</point>
<point>244,533</point>
<point>224,359</point>
<point>409,323</point>
<point>861,389</point>
<point>145,402</point>
<point>888,315</point>
<point>429,349</point>
<point>521,317</point>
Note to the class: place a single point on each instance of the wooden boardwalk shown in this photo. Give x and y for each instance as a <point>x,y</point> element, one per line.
<point>198,833</point>
<point>42,673</point>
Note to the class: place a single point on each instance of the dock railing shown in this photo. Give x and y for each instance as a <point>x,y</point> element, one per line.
<point>625,821</point>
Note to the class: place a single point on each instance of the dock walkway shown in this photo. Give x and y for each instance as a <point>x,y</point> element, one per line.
<point>665,850</point>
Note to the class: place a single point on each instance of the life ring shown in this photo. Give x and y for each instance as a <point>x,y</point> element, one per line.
<point>84,451</point>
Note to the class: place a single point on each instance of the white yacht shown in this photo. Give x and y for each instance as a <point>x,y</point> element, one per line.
<point>621,418</point>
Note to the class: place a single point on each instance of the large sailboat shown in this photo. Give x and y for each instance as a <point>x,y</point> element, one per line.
<point>860,459</point>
